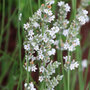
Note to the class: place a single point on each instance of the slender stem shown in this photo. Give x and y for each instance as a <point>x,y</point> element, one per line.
<point>2,27</point>
<point>73,13</point>
<point>68,79</point>
<point>19,42</point>
<point>31,7</point>
<point>8,30</point>
<point>62,64</point>
<point>28,74</point>
<point>87,67</point>
<point>39,2</point>
<point>68,75</point>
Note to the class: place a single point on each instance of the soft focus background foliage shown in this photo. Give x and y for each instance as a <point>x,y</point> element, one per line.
<point>10,53</point>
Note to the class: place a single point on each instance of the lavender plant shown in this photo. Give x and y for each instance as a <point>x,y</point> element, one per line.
<point>40,35</point>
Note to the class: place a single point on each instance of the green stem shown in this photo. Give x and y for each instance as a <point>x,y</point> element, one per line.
<point>2,27</point>
<point>87,67</point>
<point>68,79</point>
<point>19,43</point>
<point>8,30</point>
<point>73,13</point>
<point>64,81</point>
<point>80,73</point>
<point>28,74</point>
<point>31,7</point>
<point>68,75</point>
<point>39,2</point>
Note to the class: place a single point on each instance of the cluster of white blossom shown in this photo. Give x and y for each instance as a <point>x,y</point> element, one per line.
<point>70,65</point>
<point>38,41</point>
<point>73,30</point>
<point>29,86</point>
<point>53,82</point>
<point>82,16</point>
<point>40,36</point>
<point>70,32</point>
<point>62,22</point>
<point>46,75</point>
<point>48,71</point>
<point>85,3</point>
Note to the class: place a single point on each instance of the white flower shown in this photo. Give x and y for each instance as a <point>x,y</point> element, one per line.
<point>40,51</point>
<point>84,63</point>
<point>29,68</point>
<point>36,47</point>
<point>52,2</point>
<point>41,56</point>
<point>31,85</point>
<point>30,38</point>
<point>33,44</point>
<point>25,85</point>
<point>45,38</point>
<point>49,53</point>
<point>27,47</point>
<point>53,51</point>
<point>67,8</point>
<point>67,58</point>
<point>28,87</point>
<point>49,1</point>
<point>71,48</point>
<point>55,29</point>
<point>82,20</point>
<point>41,78</point>
<point>66,46</point>
<point>56,42</point>
<point>76,42</point>
<point>34,68</point>
<point>60,3</point>
<point>20,16</point>
<point>61,77</point>
<point>26,26</point>
<point>72,67</point>
<point>51,19</point>
<point>49,12</point>
<point>66,32</point>
<point>76,64</point>
<point>85,12</point>
<point>35,24</point>
<point>52,41</point>
<point>39,12</point>
<point>30,33</point>
<point>42,69</point>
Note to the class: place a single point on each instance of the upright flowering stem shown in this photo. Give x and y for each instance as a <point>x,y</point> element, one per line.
<point>73,15</point>
<point>68,76</point>
<point>62,64</point>
<point>28,74</point>
<point>19,42</point>
<point>39,39</point>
